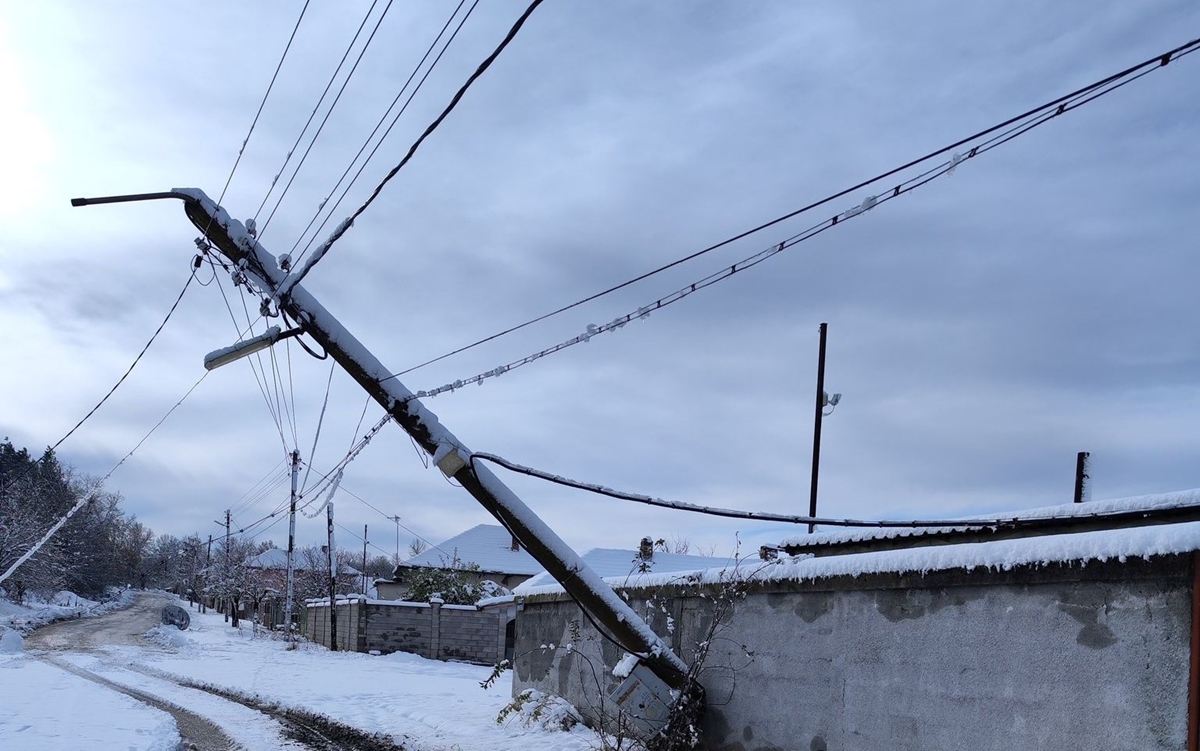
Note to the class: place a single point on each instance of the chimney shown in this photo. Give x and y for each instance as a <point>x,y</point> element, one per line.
<point>516,544</point>
<point>646,549</point>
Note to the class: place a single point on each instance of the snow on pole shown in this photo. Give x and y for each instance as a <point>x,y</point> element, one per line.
<point>46,537</point>
<point>261,270</point>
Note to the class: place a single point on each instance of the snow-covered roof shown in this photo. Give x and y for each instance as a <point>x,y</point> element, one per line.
<point>487,545</point>
<point>275,558</point>
<point>621,567</point>
<point>998,555</point>
<point>1091,508</point>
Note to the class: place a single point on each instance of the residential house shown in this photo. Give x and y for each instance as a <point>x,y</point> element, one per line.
<point>486,552</point>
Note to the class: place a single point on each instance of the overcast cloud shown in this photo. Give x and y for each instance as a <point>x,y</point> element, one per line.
<point>985,328</point>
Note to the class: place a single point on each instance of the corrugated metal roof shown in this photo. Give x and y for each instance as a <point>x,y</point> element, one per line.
<point>488,545</point>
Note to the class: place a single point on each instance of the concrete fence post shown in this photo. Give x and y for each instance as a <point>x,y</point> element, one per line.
<point>435,628</point>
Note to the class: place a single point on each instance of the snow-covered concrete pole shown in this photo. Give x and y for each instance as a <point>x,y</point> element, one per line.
<point>290,599</point>
<point>230,237</point>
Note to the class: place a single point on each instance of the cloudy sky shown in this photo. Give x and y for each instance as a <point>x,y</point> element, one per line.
<point>983,329</point>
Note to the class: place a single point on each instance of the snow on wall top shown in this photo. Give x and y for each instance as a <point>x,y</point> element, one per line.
<point>488,545</point>
<point>998,555</point>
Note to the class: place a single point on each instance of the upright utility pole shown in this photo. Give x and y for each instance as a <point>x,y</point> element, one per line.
<point>1083,477</point>
<point>364,568</point>
<point>396,519</point>
<point>332,581</point>
<point>262,272</point>
<point>226,572</point>
<point>207,566</point>
<point>816,457</point>
<point>289,600</point>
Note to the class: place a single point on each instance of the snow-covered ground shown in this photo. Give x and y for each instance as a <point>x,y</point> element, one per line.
<point>426,705</point>
<point>35,612</point>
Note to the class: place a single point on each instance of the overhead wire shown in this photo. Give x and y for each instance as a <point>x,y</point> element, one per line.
<point>328,113</point>
<point>378,124</point>
<point>1150,65</point>
<point>132,365</point>
<point>263,103</point>
<point>316,108</point>
<point>1006,522</point>
<point>943,169</point>
<point>297,275</point>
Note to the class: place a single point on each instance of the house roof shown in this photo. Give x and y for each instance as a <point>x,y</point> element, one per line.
<point>487,545</point>
<point>615,564</point>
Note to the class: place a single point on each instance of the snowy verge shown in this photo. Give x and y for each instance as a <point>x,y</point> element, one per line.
<point>36,613</point>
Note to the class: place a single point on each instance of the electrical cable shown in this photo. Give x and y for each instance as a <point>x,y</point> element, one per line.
<point>375,130</point>
<point>341,229</point>
<point>1005,522</point>
<point>320,421</point>
<point>263,103</point>
<point>132,365</point>
<point>911,184</point>
<point>321,127</point>
<point>1157,61</point>
<point>315,109</point>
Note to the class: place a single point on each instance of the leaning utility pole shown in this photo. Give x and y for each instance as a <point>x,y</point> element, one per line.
<point>332,580</point>
<point>289,600</point>
<point>262,273</point>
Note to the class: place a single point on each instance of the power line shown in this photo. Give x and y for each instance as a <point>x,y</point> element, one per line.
<point>332,107</point>
<point>132,365</point>
<point>378,124</point>
<point>263,103</point>
<point>1152,64</point>
<point>870,202</point>
<point>1007,522</point>
<point>320,252</point>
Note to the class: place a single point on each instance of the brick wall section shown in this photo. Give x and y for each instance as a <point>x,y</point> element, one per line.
<point>432,630</point>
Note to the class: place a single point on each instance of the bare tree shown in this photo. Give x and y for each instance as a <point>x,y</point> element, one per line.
<point>416,546</point>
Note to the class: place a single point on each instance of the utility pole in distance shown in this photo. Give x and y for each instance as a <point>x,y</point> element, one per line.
<point>289,600</point>
<point>332,580</point>
<point>364,569</point>
<point>396,519</point>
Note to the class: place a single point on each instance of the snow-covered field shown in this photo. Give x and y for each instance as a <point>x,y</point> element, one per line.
<point>423,704</point>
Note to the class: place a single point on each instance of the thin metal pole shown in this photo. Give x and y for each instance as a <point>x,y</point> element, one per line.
<point>816,458</point>
<point>364,569</point>
<point>396,562</point>
<point>289,602</point>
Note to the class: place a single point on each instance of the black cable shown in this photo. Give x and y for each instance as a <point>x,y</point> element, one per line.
<point>324,120</point>
<point>345,225</point>
<point>378,124</point>
<point>1008,523</point>
<point>1157,61</point>
<point>263,103</point>
<point>316,108</point>
<point>132,365</point>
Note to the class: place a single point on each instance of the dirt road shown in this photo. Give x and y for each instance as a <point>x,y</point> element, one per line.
<point>126,627</point>
<point>195,707</point>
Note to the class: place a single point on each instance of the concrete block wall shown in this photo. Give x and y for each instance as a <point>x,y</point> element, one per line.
<point>471,635</point>
<point>433,630</point>
<point>1062,656</point>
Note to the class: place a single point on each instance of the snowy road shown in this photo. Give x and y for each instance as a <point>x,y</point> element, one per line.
<point>123,681</point>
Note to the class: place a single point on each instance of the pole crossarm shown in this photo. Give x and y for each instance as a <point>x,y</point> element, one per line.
<point>595,596</point>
